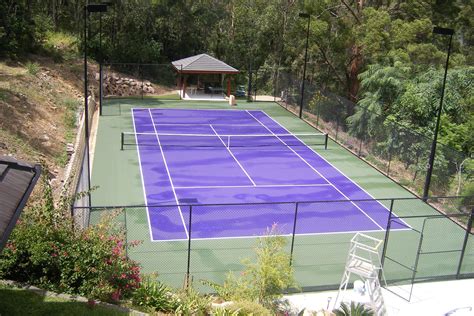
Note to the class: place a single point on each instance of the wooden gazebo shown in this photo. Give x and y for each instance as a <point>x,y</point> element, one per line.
<point>203,74</point>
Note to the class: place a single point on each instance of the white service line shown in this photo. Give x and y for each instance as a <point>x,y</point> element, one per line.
<point>169,175</point>
<point>348,178</point>
<point>230,152</point>
<point>255,186</point>
<point>315,170</point>
<point>143,179</point>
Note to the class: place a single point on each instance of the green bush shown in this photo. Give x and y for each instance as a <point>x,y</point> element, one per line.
<point>45,250</point>
<point>264,280</point>
<point>190,302</point>
<point>154,295</point>
<point>245,308</point>
<point>354,309</point>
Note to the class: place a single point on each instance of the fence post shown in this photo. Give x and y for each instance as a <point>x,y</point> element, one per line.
<point>318,113</point>
<point>387,232</point>
<point>126,231</point>
<point>189,245</point>
<point>141,78</point>
<point>293,234</point>
<point>121,140</point>
<point>326,137</point>
<point>337,127</point>
<point>466,238</point>
<point>100,88</point>
<point>389,159</point>
<point>360,147</point>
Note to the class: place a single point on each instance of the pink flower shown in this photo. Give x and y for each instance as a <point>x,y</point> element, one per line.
<point>116,295</point>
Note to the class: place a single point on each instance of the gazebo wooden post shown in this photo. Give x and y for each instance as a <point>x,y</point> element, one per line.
<point>228,85</point>
<point>185,79</point>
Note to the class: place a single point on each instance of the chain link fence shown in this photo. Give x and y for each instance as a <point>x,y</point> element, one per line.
<point>136,81</point>
<point>420,242</point>
<point>395,150</point>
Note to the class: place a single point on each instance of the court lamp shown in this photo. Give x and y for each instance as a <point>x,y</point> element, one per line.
<point>89,8</point>
<point>426,189</point>
<point>305,16</point>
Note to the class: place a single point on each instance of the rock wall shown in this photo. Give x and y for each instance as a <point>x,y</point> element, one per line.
<point>116,85</point>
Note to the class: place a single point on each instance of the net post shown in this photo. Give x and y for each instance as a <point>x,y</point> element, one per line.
<point>189,247</point>
<point>294,232</point>
<point>466,238</point>
<point>121,140</point>
<point>326,137</point>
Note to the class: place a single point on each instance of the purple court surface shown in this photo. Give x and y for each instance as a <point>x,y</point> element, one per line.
<point>185,160</point>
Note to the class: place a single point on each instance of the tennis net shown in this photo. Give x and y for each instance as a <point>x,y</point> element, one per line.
<point>130,139</point>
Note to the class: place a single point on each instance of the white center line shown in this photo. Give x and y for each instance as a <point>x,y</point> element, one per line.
<point>230,152</point>
<point>169,175</point>
<point>317,171</point>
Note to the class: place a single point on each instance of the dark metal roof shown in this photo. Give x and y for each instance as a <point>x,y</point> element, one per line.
<point>203,63</point>
<point>17,180</point>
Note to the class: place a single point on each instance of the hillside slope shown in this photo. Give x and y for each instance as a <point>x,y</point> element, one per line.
<point>39,103</point>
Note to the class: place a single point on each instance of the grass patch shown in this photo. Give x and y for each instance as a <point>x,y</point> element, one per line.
<point>22,302</point>
<point>3,95</point>
<point>32,68</point>
<point>71,106</point>
<point>69,119</point>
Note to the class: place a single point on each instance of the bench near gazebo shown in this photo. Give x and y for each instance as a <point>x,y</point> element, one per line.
<point>203,77</point>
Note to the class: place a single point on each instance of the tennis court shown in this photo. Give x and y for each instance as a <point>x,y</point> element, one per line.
<point>215,160</point>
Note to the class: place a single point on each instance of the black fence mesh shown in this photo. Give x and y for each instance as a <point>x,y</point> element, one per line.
<point>394,149</point>
<point>420,242</point>
<point>125,81</point>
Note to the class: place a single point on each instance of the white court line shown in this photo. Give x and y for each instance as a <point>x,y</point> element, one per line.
<point>169,175</point>
<point>317,171</point>
<point>230,152</point>
<point>143,179</point>
<point>348,178</point>
<point>255,186</point>
<point>287,235</point>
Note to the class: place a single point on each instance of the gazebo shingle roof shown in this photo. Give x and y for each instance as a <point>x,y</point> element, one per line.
<point>203,63</point>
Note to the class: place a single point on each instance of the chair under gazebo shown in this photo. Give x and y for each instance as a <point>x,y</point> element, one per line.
<point>203,77</point>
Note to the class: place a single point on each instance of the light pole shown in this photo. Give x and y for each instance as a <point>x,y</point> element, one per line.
<point>306,16</point>
<point>450,32</point>
<point>101,56</point>
<point>88,9</point>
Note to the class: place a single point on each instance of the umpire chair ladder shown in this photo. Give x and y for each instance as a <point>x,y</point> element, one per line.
<point>364,260</point>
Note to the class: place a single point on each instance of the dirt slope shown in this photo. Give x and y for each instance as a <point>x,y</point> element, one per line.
<point>39,102</point>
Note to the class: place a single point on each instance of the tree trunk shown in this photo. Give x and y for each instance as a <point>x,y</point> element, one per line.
<point>353,83</point>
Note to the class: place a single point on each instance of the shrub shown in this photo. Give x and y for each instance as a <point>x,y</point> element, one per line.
<point>155,295</point>
<point>45,250</point>
<point>262,281</point>
<point>190,302</point>
<point>244,308</point>
<point>354,309</point>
